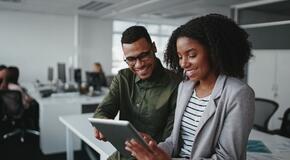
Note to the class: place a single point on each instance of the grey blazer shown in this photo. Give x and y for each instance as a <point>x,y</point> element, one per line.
<point>226,123</point>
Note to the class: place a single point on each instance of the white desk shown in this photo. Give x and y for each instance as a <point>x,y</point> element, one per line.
<point>52,132</point>
<point>80,126</point>
<point>278,145</point>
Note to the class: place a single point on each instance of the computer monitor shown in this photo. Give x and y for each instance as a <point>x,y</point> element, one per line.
<point>61,72</point>
<point>50,74</point>
<point>78,75</point>
<point>94,80</point>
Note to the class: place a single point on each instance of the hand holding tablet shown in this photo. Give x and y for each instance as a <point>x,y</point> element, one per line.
<point>117,133</point>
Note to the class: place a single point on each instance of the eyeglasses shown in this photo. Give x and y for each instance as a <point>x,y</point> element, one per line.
<point>144,56</point>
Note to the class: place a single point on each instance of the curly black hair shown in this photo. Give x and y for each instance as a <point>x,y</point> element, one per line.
<point>134,33</point>
<point>226,43</point>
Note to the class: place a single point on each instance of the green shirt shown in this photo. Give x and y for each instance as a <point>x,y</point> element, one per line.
<point>148,104</point>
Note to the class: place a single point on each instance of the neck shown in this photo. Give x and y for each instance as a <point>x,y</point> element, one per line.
<point>205,86</point>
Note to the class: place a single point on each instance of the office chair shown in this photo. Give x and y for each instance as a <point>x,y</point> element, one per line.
<point>264,110</point>
<point>13,111</point>
<point>285,126</point>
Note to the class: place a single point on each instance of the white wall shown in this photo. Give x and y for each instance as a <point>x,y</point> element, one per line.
<point>34,41</point>
<point>95,43</point>
<point>269,76</point>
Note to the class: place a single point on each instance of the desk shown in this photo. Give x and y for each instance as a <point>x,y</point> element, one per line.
<point>52,132</point>
<point>80,126</point>
<point>278,145</point>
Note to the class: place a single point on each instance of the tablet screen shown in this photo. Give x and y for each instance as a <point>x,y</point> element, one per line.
<point>117,132</point>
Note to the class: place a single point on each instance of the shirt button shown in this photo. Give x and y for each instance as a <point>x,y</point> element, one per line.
<point>138,104</point>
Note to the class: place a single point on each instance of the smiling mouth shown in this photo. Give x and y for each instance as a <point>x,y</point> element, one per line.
<point>189,73</point>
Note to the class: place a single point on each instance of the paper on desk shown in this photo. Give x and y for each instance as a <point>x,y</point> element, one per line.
<point>257,146</point>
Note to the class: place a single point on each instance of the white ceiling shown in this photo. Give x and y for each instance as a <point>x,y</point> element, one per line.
<point>159,11</point>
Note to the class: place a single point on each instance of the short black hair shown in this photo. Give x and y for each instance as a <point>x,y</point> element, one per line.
<point>2,67</point>
<point>12,74</point>
<point>226,43</point>
<point>134,33</point>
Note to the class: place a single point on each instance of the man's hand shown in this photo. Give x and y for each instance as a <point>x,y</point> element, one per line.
<point>99,135</point>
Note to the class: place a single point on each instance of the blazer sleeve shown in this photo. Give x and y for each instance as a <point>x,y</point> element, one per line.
<point>237,126</point>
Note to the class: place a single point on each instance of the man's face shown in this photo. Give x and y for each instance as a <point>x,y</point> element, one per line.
<point>140,57</point>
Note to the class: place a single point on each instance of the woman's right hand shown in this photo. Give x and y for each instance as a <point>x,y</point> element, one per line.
<point>142,153</point>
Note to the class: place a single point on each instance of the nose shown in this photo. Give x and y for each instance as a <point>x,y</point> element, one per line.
<point>183,63</point>
<point>138,63</point>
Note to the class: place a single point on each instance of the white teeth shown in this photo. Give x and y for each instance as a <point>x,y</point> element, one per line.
<point>189,73</point>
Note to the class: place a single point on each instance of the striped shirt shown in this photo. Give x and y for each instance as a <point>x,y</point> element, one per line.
<point>189,122</point>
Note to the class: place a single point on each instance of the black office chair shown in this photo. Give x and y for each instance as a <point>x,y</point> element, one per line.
<point>285,126</point>
<point>264,110</point>
<point>12,107</point>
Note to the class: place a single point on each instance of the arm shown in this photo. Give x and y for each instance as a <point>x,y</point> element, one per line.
<point>237,126</point>
<point>168,145</point>
<point>170,120</point>
<point>110,105</point>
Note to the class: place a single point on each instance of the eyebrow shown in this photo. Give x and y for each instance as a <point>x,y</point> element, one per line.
<point>138,54</point>
<point>189,50</point>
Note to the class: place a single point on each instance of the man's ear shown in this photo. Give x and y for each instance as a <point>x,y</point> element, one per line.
<point>154,47</point>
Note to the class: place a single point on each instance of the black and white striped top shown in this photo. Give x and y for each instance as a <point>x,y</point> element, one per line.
<point>189,122</point>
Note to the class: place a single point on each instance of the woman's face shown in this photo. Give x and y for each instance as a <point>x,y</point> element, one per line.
<point>193,58</point>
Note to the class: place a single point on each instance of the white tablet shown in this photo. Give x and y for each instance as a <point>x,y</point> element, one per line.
<point>117,132</point>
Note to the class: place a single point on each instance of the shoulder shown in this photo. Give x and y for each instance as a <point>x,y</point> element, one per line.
<point>170,78</point>
<point>237,92</point>
<point>126,72</point>
<point>124,75</point>
<point>236,85</point>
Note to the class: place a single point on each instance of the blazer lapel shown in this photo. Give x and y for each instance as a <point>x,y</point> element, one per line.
<point>211,107</point>
<point>185,93</point>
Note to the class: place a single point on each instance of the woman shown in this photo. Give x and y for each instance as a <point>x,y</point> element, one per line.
<point>99,70</point>
<point>215,109</point>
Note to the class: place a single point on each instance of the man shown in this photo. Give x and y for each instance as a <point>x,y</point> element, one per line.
<point>145,93</point>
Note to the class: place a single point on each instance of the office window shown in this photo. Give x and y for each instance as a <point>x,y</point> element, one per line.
<point>159,34</point>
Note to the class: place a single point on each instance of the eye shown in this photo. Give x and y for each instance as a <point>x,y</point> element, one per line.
<point>143,55</point>
<point>130,58</point>
<point>179,57</point>
<point>191,55</point>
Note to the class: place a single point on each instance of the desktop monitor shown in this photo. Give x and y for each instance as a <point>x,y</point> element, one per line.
<point>61,72</point>
<point>78,75</point>
<point>93,79</point>
<point>50,74</point>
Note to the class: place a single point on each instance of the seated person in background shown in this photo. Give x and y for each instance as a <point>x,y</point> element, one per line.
<point>12,84</point>
<point>215,109</point>
<point>144,93</point>
<point>99,70</point>
<point>30,105</point>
